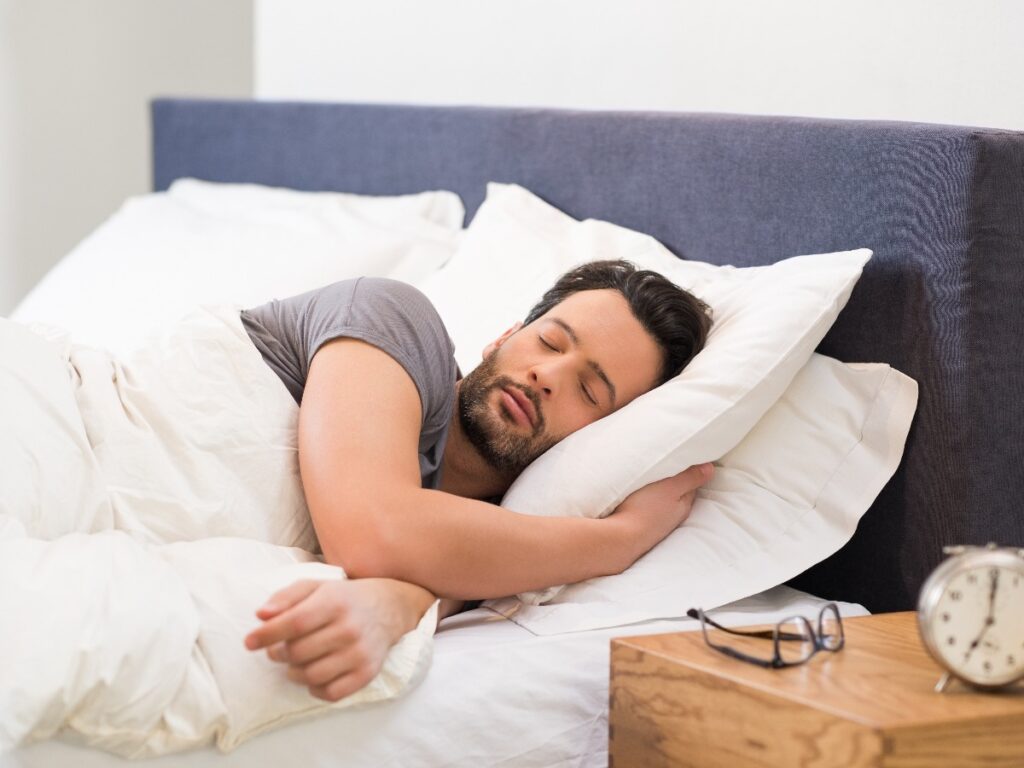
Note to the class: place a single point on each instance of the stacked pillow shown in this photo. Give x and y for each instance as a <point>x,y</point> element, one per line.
<point>765,526</point>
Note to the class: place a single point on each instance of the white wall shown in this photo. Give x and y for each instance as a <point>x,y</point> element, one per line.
<point>75,77</point>
<point>948,61</point>
<point>75,81</point>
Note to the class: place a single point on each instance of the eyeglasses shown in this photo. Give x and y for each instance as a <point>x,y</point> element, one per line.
<point>794,639</point>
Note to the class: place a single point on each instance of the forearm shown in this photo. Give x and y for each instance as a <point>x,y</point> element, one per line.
<point>449,607</point>
<point>466,549</point>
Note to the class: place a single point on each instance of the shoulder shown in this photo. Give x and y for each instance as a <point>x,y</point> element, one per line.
<point>346,301</point>
<point>390,308</point>
<point>388,287</point>
<point>402,298</point>
<point>401,321</point>
<point>336,299</point>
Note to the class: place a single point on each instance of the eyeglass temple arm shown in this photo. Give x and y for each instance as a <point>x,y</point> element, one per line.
<point>766,633</point>
<point>741,656</point>
<point>748,633</point>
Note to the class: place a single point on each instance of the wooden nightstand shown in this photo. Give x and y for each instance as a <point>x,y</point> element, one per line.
<point>676,702</point>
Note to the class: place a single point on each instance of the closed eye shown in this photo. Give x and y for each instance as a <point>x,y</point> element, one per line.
<point>583,387</point>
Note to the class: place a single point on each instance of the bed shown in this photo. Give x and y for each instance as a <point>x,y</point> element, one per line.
<point>942,207</point>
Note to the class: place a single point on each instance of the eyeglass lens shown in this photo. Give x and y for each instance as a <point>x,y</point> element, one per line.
<point>796,640</point>
<point>831,630</point>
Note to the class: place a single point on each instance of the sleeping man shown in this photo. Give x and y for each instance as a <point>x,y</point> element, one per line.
<point>400,454</point>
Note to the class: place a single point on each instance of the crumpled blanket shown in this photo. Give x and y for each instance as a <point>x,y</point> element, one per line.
<point>148,506</point>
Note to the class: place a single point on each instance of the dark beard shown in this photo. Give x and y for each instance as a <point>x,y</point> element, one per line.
<point>504,450</point>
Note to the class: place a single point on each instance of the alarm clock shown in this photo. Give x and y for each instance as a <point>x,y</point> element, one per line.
<point>971,616</point>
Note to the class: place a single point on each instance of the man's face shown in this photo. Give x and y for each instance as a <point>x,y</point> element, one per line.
<point>585,358</point>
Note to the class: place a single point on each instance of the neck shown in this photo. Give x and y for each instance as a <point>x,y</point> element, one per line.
<point>463,470</point>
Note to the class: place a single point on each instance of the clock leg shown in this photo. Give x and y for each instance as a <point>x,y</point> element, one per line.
<point>943,682</point>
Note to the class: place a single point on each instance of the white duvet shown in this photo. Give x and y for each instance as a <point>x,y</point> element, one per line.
<point>148,506</point>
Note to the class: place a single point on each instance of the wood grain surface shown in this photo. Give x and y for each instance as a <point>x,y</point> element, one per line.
<point>676,702</point>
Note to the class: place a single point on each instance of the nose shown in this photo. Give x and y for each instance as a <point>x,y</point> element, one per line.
<point>544,378</point>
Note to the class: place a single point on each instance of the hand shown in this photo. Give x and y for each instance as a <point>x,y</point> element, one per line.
<point>333,635</point>
<point>651,513</point>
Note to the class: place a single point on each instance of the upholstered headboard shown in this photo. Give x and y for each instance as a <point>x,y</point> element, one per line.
<point>942,207</point>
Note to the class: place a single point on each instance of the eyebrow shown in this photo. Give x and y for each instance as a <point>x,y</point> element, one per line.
<point>594,366</point>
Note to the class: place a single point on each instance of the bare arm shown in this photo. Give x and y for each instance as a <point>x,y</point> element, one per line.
<point>448,607</point>
<point>358,434</point>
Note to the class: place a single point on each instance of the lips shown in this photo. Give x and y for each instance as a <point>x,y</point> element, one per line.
<point>520,406</point>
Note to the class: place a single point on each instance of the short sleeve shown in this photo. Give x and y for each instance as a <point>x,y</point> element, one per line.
<point>401,321</point>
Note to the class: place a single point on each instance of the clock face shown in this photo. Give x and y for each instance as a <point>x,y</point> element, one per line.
<point>977,623</point>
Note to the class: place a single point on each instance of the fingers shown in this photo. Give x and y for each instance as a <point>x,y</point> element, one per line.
<point>319,673</point>
<point>687,499</point>
<point>354,659</point>
<point>335,637</point>
<point>689,480</point>
<point>297,621</point>
<point>339,673</point>
<point>693,478</point>
<point>343,686</point>
<point>327,646</point>
<point>286,598</point>
<point>278,652</point>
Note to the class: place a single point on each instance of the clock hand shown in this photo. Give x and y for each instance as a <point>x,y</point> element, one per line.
<point>992,595</point>
<point>990,619</point>
<point>976,641</point>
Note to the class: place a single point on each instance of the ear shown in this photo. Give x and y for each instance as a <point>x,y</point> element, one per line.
<point>491,348</point>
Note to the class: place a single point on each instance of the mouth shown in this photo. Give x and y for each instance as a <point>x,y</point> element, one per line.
<point>519,406</point>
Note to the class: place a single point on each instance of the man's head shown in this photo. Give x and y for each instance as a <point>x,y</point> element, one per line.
<point>604,334</point>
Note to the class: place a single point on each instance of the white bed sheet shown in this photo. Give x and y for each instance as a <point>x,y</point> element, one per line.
<point>495,695</point>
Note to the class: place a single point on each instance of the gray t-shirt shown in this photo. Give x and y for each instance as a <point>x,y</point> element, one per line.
<point>392,316</point>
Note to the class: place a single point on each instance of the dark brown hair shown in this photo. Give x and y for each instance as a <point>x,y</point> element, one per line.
<point>677,320</point>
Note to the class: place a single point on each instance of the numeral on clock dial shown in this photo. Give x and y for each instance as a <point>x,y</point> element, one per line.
<point>973,618</point>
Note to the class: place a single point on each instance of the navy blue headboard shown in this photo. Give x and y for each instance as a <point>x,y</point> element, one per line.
<point>942,207</point>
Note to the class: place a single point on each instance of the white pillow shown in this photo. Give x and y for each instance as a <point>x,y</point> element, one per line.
<point>162,254</point>
<point>767,323</point>
<point>789,495</point>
